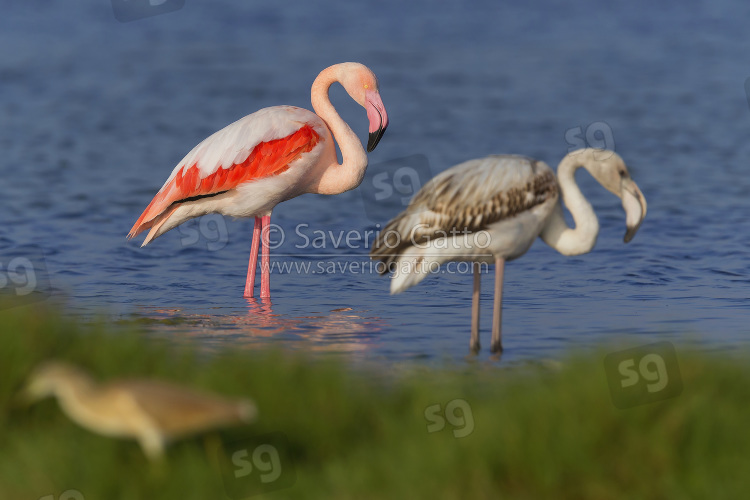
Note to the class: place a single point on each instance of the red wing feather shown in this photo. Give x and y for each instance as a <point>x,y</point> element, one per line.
<point>267,159</point>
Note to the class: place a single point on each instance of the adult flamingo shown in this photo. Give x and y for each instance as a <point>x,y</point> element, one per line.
<point>270,156</point>
<point>491,210</point>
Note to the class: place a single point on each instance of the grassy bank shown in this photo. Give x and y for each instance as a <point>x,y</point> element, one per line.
<point>334,433</point>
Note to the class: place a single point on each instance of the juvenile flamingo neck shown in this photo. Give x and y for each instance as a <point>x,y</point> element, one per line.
<point>337,178</point>
<point>556,233</point>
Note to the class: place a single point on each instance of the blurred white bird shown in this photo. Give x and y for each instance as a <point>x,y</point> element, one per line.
<point>151,411</point>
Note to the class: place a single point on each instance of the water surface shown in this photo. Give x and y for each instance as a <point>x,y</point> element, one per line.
<point>96,113</point>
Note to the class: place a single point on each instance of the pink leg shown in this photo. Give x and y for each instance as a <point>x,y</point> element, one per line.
<point>265,263</point>
<point>253,264</point>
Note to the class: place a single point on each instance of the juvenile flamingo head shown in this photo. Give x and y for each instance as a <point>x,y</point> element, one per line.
<point>609,169</point>
<point>362,85</point>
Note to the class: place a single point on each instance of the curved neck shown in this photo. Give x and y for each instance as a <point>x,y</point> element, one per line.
<point>556,233</point>
<point>71,391</point>
<point>337,178</point>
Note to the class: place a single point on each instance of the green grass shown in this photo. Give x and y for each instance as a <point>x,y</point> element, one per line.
<point>537,432</point>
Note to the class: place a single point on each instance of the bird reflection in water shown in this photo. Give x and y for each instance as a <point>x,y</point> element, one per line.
<point>338,330</point>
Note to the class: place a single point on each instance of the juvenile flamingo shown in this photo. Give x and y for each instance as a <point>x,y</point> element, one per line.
<point>491,210</point>
<point>270,156</point>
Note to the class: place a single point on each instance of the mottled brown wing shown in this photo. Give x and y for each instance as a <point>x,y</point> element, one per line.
<point>467,198</point>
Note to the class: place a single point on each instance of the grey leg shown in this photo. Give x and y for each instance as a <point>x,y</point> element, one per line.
<point>497,314</point>
<point>474,344</point>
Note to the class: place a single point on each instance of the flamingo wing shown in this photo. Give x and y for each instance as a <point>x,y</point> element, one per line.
<point>260,145</point>
<point>467,198</point>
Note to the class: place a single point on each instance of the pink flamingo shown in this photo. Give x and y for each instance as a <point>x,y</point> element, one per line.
<point>270,156</point>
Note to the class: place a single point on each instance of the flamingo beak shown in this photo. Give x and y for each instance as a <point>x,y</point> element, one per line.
<point>377,116</point>
<point>635,207</point>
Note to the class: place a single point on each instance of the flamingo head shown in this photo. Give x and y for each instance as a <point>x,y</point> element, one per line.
<point>609,169</point>
<point>362,85</point>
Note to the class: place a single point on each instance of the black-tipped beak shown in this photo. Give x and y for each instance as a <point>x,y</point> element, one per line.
<point>635,207</point>
<point>377,117</point>
<point>375,139</point>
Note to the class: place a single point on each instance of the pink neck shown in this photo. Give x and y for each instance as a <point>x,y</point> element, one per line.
<point>337,178</point>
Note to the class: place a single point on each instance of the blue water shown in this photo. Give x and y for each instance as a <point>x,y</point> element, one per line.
<point>95,114</point>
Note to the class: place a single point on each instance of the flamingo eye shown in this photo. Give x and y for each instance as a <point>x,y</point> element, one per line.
<point>622,173</point>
